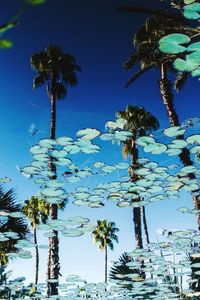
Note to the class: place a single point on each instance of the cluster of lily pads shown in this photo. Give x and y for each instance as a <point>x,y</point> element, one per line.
<point>155,182</point>
<point>186,48</point>
<point>164,264</point>
<point>191,10</point>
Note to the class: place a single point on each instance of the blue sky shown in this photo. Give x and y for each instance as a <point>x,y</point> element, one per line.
<point>101,40</point>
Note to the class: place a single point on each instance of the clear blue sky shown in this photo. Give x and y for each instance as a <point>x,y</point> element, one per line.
<point>101,40</point>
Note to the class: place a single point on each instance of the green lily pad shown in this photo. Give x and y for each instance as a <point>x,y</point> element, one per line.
<point>195,150</point>
<point>185,65</point>
<point>64,140</point>
<point>196,72</point>
<point>194,47</point>
<point>52,192</point>
<point>190,14</point>
<point>5,180</point>
<point>88,133</point>
<point>189,1</point>
<point>172,43</point>
<point>193,139</point>
<point>173,152</point>
<point>192,10</point>
<point>145,140</point>
<point>156,148</point>
<point>107,136</point>
<point>174,131</point>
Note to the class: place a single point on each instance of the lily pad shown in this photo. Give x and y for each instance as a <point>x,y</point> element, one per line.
<point>174,131</point>
<point>88,133</point>
<point>172,43</point>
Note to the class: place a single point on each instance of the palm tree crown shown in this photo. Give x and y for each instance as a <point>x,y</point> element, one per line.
<point>56,69</point>
<point>36,210</point>
<point>105,234</point>
<point>146,40</point>
<point>17,225</point>
<point>140,122</point>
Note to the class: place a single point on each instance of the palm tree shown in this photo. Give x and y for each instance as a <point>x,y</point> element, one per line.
<point>121,271</point>
<point>57,70</point>
<point>148,56</point>
<point>17,225</point>
<point>139,123</point>
<point>37,211</point>
<point>104,234</point>
<point>121,274</point>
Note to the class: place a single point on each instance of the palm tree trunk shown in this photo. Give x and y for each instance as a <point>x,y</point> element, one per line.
<point>106,263</point>
<point>146,232</point>
<point>136,210</point>
<point>54,268</point>
<point>167,97</point>
<point>53,256</point>
<point>137,227</point>
<point>36,257</point>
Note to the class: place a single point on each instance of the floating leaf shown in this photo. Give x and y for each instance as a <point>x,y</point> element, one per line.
<point>177,144</point>
<point>145,140</point>
<point>64,140</point>
<point>52,192</point>
<point>72,232</point>
<point>183,210</point>
<point>38,150</point>
<point>192,10</point>
<point>156,148</point>
<point>189,1</point>
<point>173,152</point>
<point>171,44</point>
<point>122,166</point>
<point>88,133</point>
<point>5,180</point>
<point>30,170</point>
<point>47,143</point>
<point>193,139</point>
<point>122,135</point>
<point>187,65</point>
<point>107,136</point>
<point>194,47</point>
<point>174,131</point>
<point>72,149</point>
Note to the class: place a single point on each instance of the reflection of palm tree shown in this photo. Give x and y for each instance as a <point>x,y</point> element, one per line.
<point>104,235</point>
<point>139,123</point>
<point>10,224</point>
<point>126,276</point>
<point>148,56</point>
<point>57,70</point>
<point>121,271</point>
<point>37,212</point>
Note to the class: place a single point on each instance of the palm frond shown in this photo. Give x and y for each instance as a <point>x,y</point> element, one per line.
<point>138,74</point>
<point>180,81</point>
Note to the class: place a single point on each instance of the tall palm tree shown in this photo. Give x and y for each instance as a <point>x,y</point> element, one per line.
<point>17,225</point>
<point>37,211</point>
<point>104,234</point>
<point>148,56</point>
<point>57,70</point>
<point>139,123</point>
